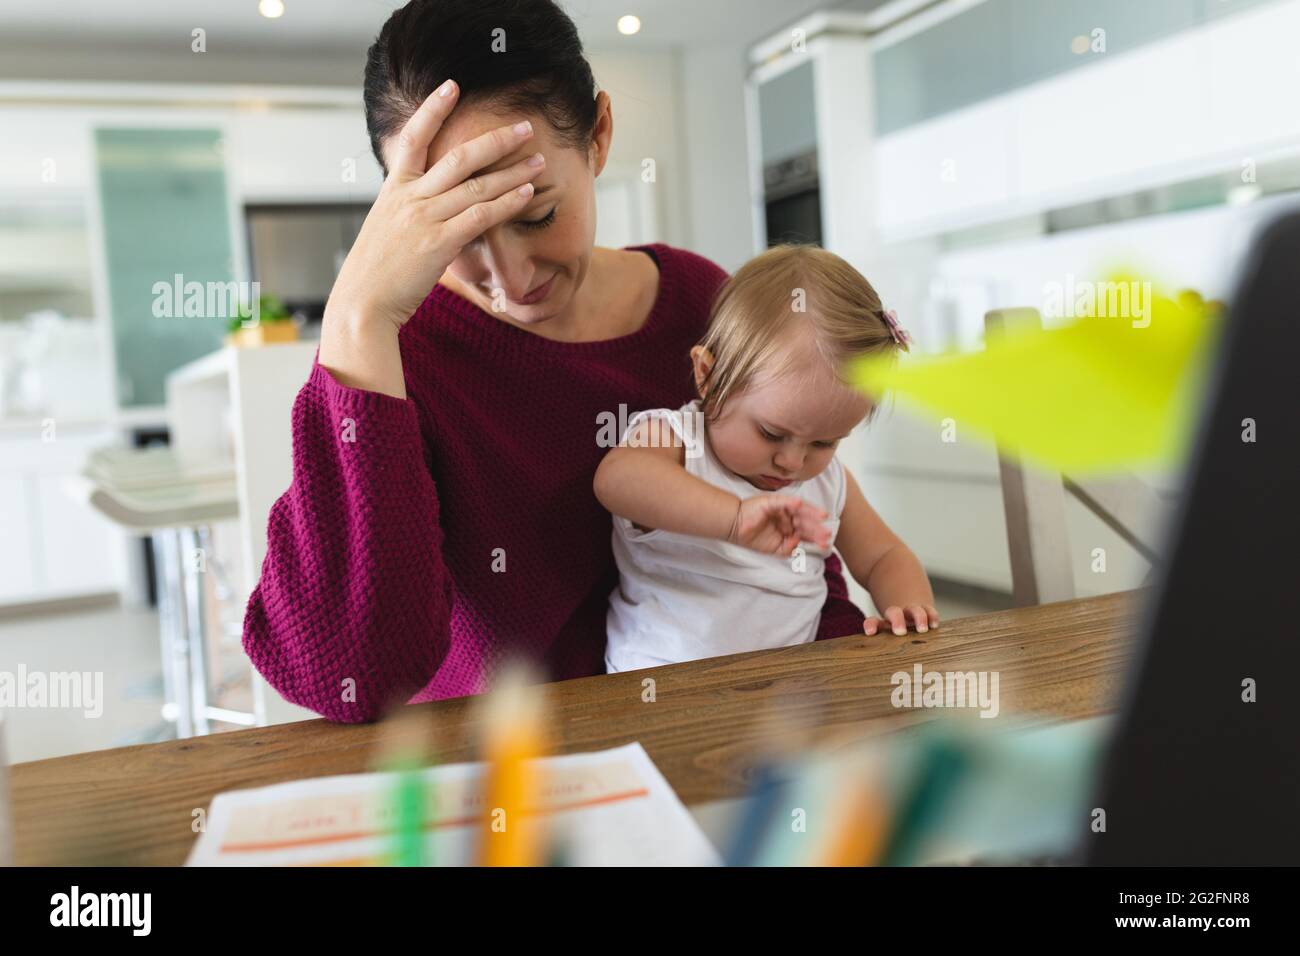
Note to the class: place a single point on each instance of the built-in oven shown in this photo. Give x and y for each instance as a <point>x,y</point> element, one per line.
<point>792,200</point>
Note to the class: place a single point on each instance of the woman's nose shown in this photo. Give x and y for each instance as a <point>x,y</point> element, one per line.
<point>512,274</point>
<point>514,284</point>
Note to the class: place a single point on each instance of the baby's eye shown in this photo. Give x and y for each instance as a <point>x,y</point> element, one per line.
<point>767,435</point>
<point>824,444</point>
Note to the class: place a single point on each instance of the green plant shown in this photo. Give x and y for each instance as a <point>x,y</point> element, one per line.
<point>269,309</point>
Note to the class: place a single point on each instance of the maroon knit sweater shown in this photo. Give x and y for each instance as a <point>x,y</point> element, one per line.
<point>423,540</point>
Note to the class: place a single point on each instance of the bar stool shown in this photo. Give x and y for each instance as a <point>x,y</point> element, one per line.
<point>151,492</point>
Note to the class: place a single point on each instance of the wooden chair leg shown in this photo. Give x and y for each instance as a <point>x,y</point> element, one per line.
<point>1034,502</point>
<point>1037,538</point>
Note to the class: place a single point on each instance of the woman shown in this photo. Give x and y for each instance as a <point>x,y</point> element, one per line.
<point>441,515</point>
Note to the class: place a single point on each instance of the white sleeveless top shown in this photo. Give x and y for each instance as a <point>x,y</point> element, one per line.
<point>682,597</point>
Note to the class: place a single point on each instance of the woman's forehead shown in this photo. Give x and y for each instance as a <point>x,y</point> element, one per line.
<point>467,122</point>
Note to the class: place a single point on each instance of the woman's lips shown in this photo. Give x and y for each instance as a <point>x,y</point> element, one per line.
<point>538,294</point>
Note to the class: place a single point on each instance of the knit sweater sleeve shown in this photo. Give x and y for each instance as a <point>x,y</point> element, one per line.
<point>840,616</point>
<point>351,615</point>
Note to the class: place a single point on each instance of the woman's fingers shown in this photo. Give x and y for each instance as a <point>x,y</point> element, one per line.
<point>463,228</point>
<point>488,186</point>
<point>464,160</point>
<point>411,154</point>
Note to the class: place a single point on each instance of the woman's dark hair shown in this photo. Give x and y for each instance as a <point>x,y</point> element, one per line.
<point>518,56</point>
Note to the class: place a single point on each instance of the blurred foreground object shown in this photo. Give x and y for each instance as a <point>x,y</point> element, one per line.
<point>1205,770</point>
<point>512,737</point>
<point>953,791</point>
<point>1107,392</point>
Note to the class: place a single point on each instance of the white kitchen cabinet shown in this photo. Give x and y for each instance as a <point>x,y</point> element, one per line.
<point>235,405</point>
<point>54,546</point>
<point>1206,101</point>
<point>17,570</point>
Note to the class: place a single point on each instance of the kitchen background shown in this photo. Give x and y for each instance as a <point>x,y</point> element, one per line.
<point>964,154</point>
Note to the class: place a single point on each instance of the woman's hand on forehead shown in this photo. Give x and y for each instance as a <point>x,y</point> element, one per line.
<point>426,214</point>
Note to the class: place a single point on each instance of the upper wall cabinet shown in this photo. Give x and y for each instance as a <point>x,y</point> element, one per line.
<point>787,117</point>
<point>1164,93</point>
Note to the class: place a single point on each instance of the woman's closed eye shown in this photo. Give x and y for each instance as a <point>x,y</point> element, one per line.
<point>538,223</point>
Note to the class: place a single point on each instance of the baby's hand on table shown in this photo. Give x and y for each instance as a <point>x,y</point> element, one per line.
<point>921,616</point>
<point>775,524</point>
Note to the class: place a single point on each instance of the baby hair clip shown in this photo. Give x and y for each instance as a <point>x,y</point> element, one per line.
<point>901,335</point>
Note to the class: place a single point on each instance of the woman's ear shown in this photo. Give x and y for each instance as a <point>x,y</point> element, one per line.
<point>602,133</point>
<point>702,361</point>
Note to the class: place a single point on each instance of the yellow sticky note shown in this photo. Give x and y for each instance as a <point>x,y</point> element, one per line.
<point>1104,393</point>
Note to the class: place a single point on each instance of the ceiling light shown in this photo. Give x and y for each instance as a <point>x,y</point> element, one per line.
<point>629,25</point>
<point>271,9</point>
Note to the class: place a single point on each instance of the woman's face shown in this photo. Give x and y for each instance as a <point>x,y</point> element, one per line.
<point>530,267</point>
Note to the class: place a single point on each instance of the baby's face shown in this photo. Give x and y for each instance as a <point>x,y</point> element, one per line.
<point>785,429</point>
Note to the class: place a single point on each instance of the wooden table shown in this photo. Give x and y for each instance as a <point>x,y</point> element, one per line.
<point>708,723</point>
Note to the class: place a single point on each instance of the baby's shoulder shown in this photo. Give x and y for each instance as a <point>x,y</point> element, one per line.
<point>659,428</point>
<point>656,430</point>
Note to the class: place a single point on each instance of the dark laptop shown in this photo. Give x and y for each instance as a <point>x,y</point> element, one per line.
<point>1195,774</point>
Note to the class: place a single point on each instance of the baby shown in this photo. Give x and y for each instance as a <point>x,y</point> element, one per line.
<point>725,509</point>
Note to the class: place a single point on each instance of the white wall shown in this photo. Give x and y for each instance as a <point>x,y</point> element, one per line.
<point>644,90</point>
<point>713,128</point>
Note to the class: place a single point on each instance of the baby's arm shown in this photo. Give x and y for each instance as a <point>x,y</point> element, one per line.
<point>884,565</point>
<point>645,481</point>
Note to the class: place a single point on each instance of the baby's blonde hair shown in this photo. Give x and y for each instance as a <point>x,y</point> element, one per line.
<point>759,303</point>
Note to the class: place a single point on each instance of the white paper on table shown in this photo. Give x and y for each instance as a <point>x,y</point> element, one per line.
<point>606,808</point>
